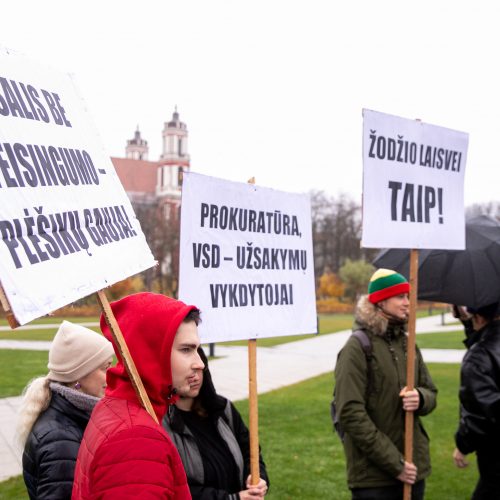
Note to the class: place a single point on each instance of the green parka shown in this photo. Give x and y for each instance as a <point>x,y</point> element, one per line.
<point>373,418</point>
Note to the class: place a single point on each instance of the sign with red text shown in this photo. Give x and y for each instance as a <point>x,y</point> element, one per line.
<point>246,259</point>
<point>413,184</point>
<point>67,228</point>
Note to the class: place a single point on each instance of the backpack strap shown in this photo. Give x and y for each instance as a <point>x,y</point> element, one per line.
<point>367,346</point>
<point>365,342</point>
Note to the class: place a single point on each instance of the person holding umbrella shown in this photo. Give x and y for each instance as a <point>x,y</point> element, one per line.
<point>461,313</point>
<point>479,427</point>
<point>371,396</point>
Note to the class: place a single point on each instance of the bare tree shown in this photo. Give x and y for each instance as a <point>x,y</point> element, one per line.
<point>336,224</point>
<point>160,223</point>
<point>491,208</point>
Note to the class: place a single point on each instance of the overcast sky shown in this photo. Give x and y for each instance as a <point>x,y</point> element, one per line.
<point>275,88</point>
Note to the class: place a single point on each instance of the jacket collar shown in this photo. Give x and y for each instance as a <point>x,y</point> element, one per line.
<point>62,405</point>
<point>368,317</point>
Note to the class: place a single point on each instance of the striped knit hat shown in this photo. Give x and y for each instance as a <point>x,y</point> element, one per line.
<point>385,284</point>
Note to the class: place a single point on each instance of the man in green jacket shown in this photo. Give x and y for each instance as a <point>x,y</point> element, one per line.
<point>371,396</point>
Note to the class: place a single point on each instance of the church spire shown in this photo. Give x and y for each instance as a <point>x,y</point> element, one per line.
<point>137,148</point>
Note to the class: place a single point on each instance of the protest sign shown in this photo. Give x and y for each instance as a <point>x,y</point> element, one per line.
<point>413,184</point>
<point>246,259</point>
<point>67,227</point>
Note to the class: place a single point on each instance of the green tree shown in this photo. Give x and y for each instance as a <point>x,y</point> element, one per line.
<point>355,275</point>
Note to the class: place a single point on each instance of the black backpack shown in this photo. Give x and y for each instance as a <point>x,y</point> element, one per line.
<point>367,347</point>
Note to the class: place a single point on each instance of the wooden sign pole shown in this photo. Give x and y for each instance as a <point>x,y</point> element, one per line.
<point>410,363</point>
<point>13,323</point>
<point>253,410</point>
<point>125,354</point>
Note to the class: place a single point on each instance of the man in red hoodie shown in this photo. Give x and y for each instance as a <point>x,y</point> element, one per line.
<point>124,453</point>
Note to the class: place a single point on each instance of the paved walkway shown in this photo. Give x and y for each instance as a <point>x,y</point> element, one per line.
<point>42,326</point>
<point>277,367</point>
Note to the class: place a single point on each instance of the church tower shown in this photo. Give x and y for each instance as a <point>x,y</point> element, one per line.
<point>137,148</point>
<point>174,158</point>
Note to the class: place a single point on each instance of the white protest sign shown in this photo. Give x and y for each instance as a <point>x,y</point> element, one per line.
<point>67,228</point>
<point>413,184</point>
<point>246,259</point>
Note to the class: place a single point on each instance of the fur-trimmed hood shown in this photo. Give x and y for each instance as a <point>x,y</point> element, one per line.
<point>368,316</point>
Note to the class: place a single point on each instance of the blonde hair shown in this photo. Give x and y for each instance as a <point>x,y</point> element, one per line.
<point>36,399</point>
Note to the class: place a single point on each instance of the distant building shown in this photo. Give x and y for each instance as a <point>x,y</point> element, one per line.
<point>154,188</point>
<point>137,148</point>
<point>156,182</point>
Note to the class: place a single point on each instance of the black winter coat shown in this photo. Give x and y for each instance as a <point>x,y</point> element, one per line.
<point>189,451</point>
<point>51,449</point>
<point>231,430</point>
<point>479,428</point>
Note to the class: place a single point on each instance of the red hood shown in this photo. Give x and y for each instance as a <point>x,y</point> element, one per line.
<point>149,322</point>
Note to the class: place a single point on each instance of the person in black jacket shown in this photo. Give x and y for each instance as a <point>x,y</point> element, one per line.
<point>56,409</point>
<point>479,427</point>
<point>471,335</point>
<point>213,442</point>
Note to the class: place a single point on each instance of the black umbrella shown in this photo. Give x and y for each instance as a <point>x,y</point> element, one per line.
<point>468,277</point>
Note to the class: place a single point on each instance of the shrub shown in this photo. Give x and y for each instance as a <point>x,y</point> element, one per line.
<point>333,305</point>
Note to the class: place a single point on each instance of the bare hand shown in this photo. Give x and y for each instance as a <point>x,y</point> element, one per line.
<point>459,459</point>
<point>411,399</point>
<point>460,312</point>
<point>409,473</point>
<point>258,490</point>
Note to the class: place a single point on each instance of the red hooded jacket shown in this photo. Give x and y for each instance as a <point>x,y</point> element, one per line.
<point>124,453</point>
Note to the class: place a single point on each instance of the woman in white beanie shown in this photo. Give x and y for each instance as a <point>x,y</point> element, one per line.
<point>56,409</point>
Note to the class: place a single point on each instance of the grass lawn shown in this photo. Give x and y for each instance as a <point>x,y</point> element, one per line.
<point>441,340</point>
<point>55,319</point>
<point>304,457</point>
<point>13,489</point>
<point>44,334</point>
<point>327,323</point>
<point>17,368</point>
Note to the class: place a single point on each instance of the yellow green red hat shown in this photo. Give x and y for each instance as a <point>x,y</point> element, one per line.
<point>386,283</point>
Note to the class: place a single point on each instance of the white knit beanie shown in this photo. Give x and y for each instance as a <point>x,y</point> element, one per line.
<point>75,352</point>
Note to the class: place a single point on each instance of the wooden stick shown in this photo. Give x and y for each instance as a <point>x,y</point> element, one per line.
<point>125,354</point>
<point>410,363</point>
<point>12,320</point>
<point>253,411</point>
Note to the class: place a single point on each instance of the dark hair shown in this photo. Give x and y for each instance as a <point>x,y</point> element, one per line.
<point>489,312</point>
<point>193,315</point>
<point>208,401</point>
